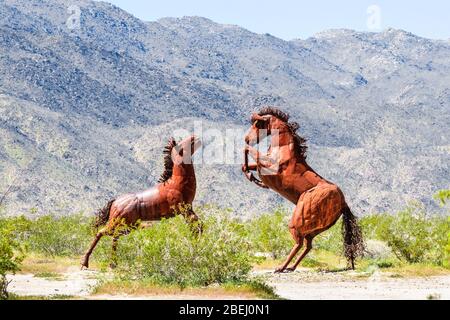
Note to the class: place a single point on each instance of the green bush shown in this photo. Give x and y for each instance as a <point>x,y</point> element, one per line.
<point>413,235</point>
<point>269,233</point>
<point>53,236</point>
<point>331,240</point>
<point>170,253</point>
<point>442,196</point>
<point>60,236</point>
<point>447,248</point>
<point>11,255</point>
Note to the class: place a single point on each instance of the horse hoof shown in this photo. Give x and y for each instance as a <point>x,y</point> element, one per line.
<point>84,264</point>
<point>279,270</point>
<point>289,270</point>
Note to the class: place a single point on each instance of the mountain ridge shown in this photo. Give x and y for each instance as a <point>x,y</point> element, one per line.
<point>375,107</point>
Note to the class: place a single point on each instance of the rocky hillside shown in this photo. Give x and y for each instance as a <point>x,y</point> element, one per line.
<point>84,112</point>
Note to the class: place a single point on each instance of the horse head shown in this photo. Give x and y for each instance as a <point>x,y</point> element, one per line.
<point>183,151</point>
<point>266,122</point>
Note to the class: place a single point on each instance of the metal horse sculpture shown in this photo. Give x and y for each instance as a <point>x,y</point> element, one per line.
<point>319,203</point>
<point>176,189</point>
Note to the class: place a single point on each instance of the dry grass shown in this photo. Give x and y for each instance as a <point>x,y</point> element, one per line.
<point>226,291</point>
<point>49,275</point>
<point>54,297</point>
<point>38,264</point>
<point>416,270</point>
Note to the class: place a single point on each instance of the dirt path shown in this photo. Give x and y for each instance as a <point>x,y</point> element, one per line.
<point>164,297</point>
<point>77,284</point>
<point>303,284</point>
<point>80,284</point>
<point>310,285</point>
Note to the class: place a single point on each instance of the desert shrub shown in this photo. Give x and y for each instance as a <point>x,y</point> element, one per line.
<point>58,236</point>
<point>269,233</point>
<point>375,226</point>
<point>61,236</point>
<point>171,253</point>
<point>442,196</point>
<point>11,255</point>
<point>412,234</point>
<point>331,240</point>
<point>447,248</point>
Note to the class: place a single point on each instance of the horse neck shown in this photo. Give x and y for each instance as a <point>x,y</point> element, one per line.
<point>183,173</point>
<point>282,140</point>
<point>285,139</point>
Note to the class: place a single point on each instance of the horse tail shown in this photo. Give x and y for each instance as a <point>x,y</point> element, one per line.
<point>102,215</point>
<point>353,238</point>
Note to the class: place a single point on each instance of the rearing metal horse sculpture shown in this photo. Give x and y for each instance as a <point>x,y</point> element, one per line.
<point>319,203</point>
<point>176,189</point>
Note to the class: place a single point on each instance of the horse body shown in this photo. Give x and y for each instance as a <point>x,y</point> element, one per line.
<point>299,183</point>
<point>292,181</point>
<point>175,192</point>
<point>319,202</point>
<point>160,201</point>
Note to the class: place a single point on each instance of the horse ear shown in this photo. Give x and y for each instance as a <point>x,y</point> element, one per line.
<point>257,117</point>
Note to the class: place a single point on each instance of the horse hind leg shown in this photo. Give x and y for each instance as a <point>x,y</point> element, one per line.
<point>308,246</point>
<point>296,221</point>
<point>85,259</point>
<point>298,245</point>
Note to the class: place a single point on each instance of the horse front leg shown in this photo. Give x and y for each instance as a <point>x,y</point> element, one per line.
<point>250,167</point>
<point>115,242</point>
<point>261,160</point>
<point>121,229</point>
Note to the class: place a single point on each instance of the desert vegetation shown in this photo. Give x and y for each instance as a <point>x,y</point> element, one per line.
<point>169,254</point>
<point>11,254</point>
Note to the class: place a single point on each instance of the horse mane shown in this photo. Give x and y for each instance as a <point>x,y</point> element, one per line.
<point>300,146</point>
<point>168,162</point>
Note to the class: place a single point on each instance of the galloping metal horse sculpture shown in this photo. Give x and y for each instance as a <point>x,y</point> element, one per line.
<point>176,189</point>
<point>319,203</point>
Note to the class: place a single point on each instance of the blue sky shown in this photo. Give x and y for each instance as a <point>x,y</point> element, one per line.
<point>289,19</point>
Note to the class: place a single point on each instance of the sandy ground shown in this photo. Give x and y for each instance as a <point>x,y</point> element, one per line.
<point>300,285</point>
<point>163,297</point>
<point>309,285</point>
<point>78,284</point>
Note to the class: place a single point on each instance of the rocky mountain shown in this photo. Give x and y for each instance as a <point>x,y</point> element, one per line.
<point>86,110</point>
